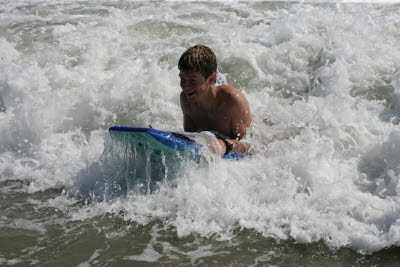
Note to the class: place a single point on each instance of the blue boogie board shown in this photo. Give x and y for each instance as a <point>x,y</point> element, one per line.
<point>163,141</point>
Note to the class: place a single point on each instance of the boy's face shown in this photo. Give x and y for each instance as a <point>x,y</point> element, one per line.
<point>194,85</point>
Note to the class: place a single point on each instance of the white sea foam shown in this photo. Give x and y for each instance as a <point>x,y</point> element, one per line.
<point>92,259</point>
<point>28,225</point>
<point>326,76</point>
<point>149,254</point>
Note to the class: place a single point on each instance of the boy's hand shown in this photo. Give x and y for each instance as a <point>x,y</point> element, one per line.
<point>218,147</point>
<point>223,147</point>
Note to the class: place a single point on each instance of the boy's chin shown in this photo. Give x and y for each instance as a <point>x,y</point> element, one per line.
<point>192,98</point>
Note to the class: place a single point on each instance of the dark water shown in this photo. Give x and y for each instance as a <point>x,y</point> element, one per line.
<point>40,235</point>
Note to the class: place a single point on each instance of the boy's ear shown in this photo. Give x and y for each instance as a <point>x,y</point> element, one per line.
<point>213,77</point>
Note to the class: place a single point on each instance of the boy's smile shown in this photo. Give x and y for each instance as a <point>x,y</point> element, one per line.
<point>193,84</point>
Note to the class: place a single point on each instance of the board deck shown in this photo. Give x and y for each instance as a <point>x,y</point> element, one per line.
<point>165,141</point>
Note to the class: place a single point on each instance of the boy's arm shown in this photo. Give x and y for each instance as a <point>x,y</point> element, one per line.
<point>240,121</point>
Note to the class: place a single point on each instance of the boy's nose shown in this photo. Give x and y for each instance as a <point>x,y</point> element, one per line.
<point>185,86</point>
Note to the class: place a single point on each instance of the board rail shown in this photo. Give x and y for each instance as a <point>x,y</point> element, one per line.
<point>175,140</point>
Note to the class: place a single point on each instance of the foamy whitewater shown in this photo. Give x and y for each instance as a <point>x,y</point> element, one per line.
<point>323,83</point>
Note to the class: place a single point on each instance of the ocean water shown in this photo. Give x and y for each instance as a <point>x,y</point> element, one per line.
<point>322,187</point>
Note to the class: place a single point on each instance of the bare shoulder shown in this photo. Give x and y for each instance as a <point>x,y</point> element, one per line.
<point>232,96</point>
<point>227,89</point>
<point>238,108</point>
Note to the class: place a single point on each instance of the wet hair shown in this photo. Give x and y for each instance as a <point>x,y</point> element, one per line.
<point>198,58</point>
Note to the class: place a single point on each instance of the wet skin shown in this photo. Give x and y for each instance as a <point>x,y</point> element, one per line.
<point>207,107</point>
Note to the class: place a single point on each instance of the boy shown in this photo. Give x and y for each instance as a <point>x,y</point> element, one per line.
<point>207,107</point>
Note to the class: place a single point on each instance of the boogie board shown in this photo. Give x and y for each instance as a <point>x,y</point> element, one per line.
<point>164,141</point>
